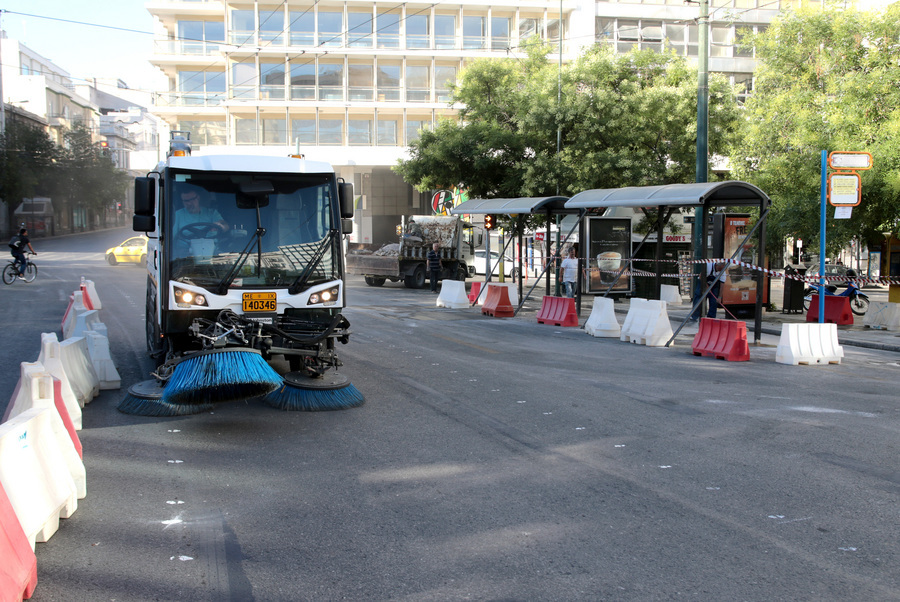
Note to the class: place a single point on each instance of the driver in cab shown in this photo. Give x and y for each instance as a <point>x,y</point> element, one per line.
<point>193,213</point>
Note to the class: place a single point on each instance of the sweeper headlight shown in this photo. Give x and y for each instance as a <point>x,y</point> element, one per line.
<point>326,297</point>
<point>185,298</point>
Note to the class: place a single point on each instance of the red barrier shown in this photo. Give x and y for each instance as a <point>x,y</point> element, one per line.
<point>837,310</point>
<point>64,414</point>
<point>722,339</point>
<point>473,293</point>
<point>18,564</point>
<point>68,309</point>
<point>86,297</point>
<point>557,311</point>
<point>497,303</point>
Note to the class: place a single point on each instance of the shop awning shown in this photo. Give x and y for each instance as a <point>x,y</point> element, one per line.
<point>721,194</point>
<point>556,204</point>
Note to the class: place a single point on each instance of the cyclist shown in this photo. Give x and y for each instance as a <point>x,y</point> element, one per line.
<point>17,248</point>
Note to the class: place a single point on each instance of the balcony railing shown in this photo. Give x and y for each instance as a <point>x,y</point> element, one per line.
<point>189,99</point>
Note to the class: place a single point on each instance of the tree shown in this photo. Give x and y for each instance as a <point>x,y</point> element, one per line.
<point>827,80</point>
<point>27,158</point>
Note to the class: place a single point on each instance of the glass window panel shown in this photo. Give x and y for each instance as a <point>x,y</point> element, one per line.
<point>500,32</point>
<point>191,88</point>
<point>606,29</point>
<point>271,26</point>
<point>245,131</point>
<point>274,131</point>
<point>331,131</point>
<point>413,126</point>
<point>418,83</point>
<point>272,74</point>
<point>303,27</point>
<point>331,74</point>
<point>554,32</point>
<point>444,75</point>
<point>529,27</point>
<point>445,31</point>
<point>190,30</point>
<point>387,30</point>
<point>331,24</point>
<point>303,81</point>
<point>303,131</point>
<point>675,33</point>
<point>474,31</point>
<point>243,80</point>
<point>651,31</point>
<point>362,81</point>
<point>214,31</point>
<point>359,29</point>
<point>215,87</point>
<point>742,48</point>
<point>417,33</point>
<point>387,132</point>
<point>359,131</point>
<point>628,30</point>
<point>243,26</point>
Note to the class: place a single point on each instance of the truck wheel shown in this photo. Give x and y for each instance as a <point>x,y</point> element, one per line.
<point>417,280</point>
<point>462,273</point>
<point>374,281</point>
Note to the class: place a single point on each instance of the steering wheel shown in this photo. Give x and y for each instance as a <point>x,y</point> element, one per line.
<point>199,230</point>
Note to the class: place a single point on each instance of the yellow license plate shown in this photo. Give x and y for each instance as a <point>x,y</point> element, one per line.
<point>259,302</point>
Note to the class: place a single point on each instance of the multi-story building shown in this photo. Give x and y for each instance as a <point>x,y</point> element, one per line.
<point>353,82</point>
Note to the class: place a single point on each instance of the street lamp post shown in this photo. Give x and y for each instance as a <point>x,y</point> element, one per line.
<point>702,164</point>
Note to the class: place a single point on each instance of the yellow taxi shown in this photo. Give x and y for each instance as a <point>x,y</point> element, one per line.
<point>133,250</point>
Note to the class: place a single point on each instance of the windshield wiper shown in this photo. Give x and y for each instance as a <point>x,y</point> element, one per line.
<point>300,281</point>
<point>222,287</point>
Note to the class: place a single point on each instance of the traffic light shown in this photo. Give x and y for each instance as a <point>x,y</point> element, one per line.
<point>489,222</point>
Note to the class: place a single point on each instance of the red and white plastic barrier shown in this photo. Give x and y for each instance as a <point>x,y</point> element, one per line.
<point>808,344</point>
<point>34,473</point>
<point>453,295</point>
<point>602,322</point>
<point>91,299</point>
<point>76,307</point>
<point>51,360</point>
<point>18,564</point>
<point>98,348</point>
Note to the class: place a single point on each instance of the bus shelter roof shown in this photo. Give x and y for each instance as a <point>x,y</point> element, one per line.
<point>722,194</point>
<point>556,204</point>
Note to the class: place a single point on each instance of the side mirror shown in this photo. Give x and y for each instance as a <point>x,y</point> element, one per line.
<point>346,225</point>
<point>144,197</point>
<point>143,223</point>
<point>345,195</point>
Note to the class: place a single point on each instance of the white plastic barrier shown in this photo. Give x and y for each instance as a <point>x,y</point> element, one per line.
<point>90,291</point>
<point>883,315</point>
<point>50,359</point>
<point>808,343</point>
<point>88,320</point>
<point>670,294</point>
<point>77,362</point>
<point>602,322</point>
<point>23,396</point>
<point>34,474</point>
<point>453,295</point>
<point>647,323</point>
<point>98,348</point>
<point>75,308</point>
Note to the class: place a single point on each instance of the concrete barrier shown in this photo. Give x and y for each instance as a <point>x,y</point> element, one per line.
<point>50,358</point>
<point>808,344</point>
<point>39,390</point>
<point>34,475</point>
<point>602,322</point>
<point>557,311</point>
<point>91,299</point>
<point>837,310</point>
<point>77,363</point>
<point>647,323</point>
<point>98,348</point>
<point>453,295</point>
<point>18,564</point>
<point>670,294</point>
<point>722,339</point>
<point>497,302</point>
<point>76,306</point>
<point>883,315</point>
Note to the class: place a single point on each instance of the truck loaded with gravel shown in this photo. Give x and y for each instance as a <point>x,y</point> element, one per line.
<point>405,260</point>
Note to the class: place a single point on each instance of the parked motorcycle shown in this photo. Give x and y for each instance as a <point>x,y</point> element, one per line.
<point>859,301</point>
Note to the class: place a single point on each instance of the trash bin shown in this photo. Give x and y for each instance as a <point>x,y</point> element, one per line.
<point>793,290</point>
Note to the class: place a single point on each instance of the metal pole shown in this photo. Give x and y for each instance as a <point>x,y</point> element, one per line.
<point>702,163</point>
<point>2,102</point>
<point>822,194</point>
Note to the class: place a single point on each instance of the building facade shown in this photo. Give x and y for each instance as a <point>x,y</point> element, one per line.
<point>353,82</point>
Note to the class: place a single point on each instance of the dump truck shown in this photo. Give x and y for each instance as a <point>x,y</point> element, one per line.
<point>405,260</point>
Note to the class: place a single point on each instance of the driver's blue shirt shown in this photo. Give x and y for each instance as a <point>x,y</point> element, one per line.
<point>183,218</point>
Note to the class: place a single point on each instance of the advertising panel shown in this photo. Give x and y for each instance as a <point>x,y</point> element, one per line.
<point>609,248</point>
<point>729,230</point>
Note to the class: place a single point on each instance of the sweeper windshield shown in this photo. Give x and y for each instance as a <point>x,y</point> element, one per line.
<point>252,230</point>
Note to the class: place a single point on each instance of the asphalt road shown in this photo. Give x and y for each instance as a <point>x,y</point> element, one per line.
<point>494,459</point>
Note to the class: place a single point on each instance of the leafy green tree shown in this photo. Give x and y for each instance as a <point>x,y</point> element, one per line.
<point>27,160</point>
<point>827,80</point>
<point>91,179</point>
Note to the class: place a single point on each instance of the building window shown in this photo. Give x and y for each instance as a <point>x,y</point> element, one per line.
<point>444,75</point>
<point>271,76</point>
<point>245,131</point>
<point>200,88</point>
<point>474,32</point>
<point>417,32</point>
<point>721,40</point>
<point>500,33</point>
<point>359,131</point>
<point>274,131</point>
<point>271,27</point>
<point>303,131</point>
<point>331,131</point>
<point>388,82</point>
<point>331,81</point>
<point>445,31</point>
<point>207,133</point>
<point>530,27</point>
<point>418,83</point>
<point>362,82</point>
<point>303,27</point>
<point>742,48</point>
<point>387,132</point>
<point>556,33</point>
<point>243,27</point>
<point>244,80</point>
<point>605,31</point>
<point>651,35</point>
<point>413,126</point>
<point>331,26</point>
<point>359,30</point>
<point>387,29</point>
<point>303,81</point>
<point>676,35</point>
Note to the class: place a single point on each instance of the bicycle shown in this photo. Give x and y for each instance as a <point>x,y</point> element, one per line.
<point>11,271</point>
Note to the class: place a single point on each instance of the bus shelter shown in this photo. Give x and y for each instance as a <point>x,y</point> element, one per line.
<point>703,196</point>
<point>519,208</point>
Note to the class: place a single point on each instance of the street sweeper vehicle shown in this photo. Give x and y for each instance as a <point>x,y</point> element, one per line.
<point>245,272</point>
<point>406,260</point>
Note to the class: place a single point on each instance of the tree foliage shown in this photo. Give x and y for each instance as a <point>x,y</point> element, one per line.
<point>27,159</point>
<point>622,120</point>
<point>827,80</point>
